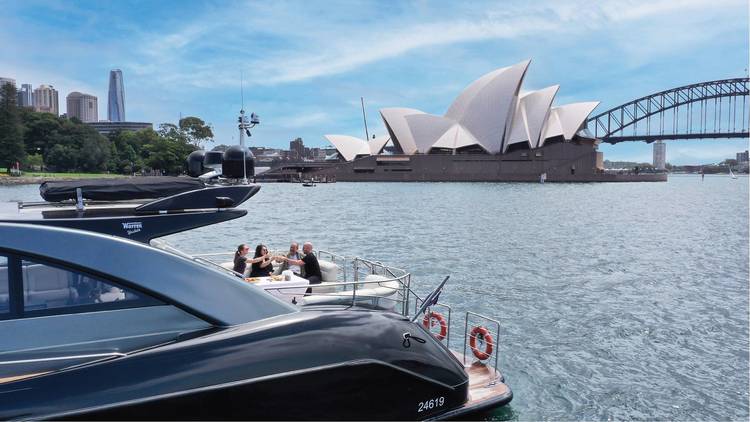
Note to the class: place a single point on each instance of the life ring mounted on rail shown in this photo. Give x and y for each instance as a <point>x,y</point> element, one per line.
<point>485,337</point>
<point>429,321</point>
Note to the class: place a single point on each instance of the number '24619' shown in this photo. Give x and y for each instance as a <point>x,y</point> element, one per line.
<point>431,404</point>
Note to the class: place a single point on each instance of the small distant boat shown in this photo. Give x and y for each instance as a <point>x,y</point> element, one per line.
<point>308,184</point>
<point>732,174</point>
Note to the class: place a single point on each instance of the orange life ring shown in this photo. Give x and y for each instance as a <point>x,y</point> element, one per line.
<point>429,322</point>
<point>488,343</point>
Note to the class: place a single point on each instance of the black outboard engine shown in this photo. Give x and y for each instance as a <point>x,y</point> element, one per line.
<point>194,161</point>
<point>232,165</point>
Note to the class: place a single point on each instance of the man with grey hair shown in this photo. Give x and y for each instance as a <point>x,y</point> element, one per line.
<point>294,254</point>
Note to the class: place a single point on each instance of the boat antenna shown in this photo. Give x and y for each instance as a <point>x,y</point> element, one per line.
<point>244,127</point>
<point>364,117</point>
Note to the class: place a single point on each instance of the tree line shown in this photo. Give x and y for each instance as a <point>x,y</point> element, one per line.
<point>43,140</point>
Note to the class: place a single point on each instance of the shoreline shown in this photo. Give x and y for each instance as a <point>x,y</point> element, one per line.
<point>32,180</point>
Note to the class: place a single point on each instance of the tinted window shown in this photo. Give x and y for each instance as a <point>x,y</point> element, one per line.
<point>4,297</point>
<point>49,287</point>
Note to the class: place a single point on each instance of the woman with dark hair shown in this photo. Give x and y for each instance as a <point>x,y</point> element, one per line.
<point>240,258</point>
<point>262,263</point>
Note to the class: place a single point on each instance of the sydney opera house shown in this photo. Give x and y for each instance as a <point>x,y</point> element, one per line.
<point>493,131</point>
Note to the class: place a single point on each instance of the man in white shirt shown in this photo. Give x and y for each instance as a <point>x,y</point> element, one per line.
<point>295,256</point>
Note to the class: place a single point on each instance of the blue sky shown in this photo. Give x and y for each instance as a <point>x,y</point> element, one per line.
<point>307,63</point>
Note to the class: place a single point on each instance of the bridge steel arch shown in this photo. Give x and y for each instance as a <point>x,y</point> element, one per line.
<point>610,126</point>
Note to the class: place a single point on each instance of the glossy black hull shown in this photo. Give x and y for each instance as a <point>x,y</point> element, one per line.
<point>309,365</point>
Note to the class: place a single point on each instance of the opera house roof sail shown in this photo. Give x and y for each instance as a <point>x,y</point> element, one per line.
<point>491,113</point>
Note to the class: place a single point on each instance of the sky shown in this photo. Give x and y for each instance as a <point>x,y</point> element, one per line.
<point>306,64</point>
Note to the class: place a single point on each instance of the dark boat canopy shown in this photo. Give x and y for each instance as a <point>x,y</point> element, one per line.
<point>119,189</point>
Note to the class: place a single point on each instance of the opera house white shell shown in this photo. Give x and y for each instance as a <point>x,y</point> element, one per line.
<point>491,113</point>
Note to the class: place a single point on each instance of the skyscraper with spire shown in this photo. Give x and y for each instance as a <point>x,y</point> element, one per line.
<point>116,101</point>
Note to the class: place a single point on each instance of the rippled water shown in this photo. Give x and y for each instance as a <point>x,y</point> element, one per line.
<point>617,301</point>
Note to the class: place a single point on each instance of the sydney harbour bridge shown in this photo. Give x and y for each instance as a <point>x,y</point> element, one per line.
<point>706,110</point>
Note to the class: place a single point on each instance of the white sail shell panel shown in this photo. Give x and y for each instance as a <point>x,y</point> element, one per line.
<point>488,112</point>
<point>427,129</point>
<point>349,147</point>
<point>519,131</point>
<point>553,128</point>
<point>455,137</point>
<point>573,116</point>
<point>395,120</point>
<point>460,105</point>
<point>376,145</point>
<point>536,106</point>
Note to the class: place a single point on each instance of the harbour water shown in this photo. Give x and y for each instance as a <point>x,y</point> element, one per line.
<point>617,301</point>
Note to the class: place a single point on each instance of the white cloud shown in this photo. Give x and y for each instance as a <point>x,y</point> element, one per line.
<point>335,43</point>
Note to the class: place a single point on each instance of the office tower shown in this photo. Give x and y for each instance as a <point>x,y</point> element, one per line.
<point>660,155</point>
<point>4,81</point>
<point>297,149</point>
<point>45,100</point>
<point>742,157</point>
<point>116,100</point>
<point>82,106</point>
<point>26,96</point>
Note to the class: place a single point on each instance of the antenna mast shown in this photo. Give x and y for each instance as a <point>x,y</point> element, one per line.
<point>364,117</point>
<point>244,127</point>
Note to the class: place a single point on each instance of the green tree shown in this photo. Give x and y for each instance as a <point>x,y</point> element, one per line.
<point>41,130</point>
<point>196,130</point>
<point>61,158</point>
<point>34,162</point>
<point>93,155</point>
<point>11,130</point>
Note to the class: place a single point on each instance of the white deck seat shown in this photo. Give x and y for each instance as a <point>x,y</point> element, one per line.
<point>382,290</point>
<point>328,270</point>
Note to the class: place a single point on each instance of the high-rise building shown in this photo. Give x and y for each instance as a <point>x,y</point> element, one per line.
<point>4,81</point>
<point>82,106</point>
<point>297,149</point>
<point>116,100</point>
<point>45,100</point>
<point>26,96</point>
<point>660,155</point>
<point>742,157</point>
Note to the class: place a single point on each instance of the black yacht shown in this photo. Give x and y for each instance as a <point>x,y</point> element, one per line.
<point>98,323</point>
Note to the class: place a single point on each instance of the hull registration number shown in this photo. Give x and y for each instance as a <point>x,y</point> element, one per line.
<point>431,404</point>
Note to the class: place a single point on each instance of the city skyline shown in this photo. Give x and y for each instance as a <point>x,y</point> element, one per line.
<point>419,57</point>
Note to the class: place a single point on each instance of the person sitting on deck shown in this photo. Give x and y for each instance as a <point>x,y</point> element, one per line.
<point>262,263</point>
<point>293,254</point>
<point>309,264</point>
<point>240,258</point>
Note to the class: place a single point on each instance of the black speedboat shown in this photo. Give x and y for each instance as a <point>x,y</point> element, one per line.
<point>98,324</point>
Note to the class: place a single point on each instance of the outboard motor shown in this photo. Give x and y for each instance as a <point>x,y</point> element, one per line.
<point>232,165</point>
<point>194,163</point>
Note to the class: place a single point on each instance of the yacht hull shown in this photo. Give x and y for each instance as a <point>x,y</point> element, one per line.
<point>315,364</point>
